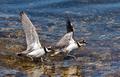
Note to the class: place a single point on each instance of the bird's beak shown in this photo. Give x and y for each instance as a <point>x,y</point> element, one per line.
<point>84,42</point>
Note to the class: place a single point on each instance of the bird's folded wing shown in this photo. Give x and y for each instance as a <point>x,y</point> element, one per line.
<point>30,31</point>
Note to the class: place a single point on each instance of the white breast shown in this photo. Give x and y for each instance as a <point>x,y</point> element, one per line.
<point>72,45</point>
<point>37,53</point>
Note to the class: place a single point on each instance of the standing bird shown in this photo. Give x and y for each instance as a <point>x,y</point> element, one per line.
<point>34,48</point>
<point>67,43</point>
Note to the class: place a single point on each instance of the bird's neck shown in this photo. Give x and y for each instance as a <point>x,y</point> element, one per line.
<point>78,44</point>
<point>46,50</point>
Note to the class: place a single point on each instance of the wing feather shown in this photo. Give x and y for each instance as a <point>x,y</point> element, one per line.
<point>64,41</point>
<point>30,31</point>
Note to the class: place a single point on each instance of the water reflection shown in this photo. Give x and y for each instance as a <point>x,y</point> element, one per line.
<point>56,71</point>
<point>57,67</point>
<point>89,62</point>
<point>97,21</point>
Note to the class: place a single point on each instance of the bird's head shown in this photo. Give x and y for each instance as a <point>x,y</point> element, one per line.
<point>82,43</point>
<point>49,49</point>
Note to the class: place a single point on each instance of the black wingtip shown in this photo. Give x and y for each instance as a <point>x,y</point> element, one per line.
<point>22,12</point>
<point>69,25</point>
<point>21,15</point>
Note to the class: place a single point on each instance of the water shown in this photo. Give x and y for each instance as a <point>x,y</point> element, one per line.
<point>96,21</point>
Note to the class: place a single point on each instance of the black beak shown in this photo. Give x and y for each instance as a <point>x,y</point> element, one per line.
<point>83,41</point>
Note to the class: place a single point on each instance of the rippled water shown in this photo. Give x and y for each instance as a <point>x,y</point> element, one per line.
<point>96,21</point>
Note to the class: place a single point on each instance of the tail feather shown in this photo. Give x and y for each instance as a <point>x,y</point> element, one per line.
<point>20,54</point>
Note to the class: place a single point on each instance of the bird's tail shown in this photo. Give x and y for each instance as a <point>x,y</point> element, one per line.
<point>22,53</point>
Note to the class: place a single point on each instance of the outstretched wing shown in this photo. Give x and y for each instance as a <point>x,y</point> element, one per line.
<point>30,32</point>
<point>64,41</point>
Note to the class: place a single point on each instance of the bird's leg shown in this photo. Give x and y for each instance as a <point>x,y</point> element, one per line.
<point>31,58</point>
<point>66,51</point>
<point>72,56</point>
<point>42,60</point>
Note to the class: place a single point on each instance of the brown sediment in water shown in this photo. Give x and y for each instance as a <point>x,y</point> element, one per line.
<point>13,62</point>
<point>8,50</point>
<point>44,69</point>
<point>10,44</point>
<point>54,71</point>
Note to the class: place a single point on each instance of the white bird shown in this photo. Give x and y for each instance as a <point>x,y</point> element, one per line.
<point>67,43</point>
<point>34,48</point>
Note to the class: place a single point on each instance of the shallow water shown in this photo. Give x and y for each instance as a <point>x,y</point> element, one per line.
<point>96,21</point>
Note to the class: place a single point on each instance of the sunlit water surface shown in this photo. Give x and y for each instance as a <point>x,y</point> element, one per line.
<point>96,21</point>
